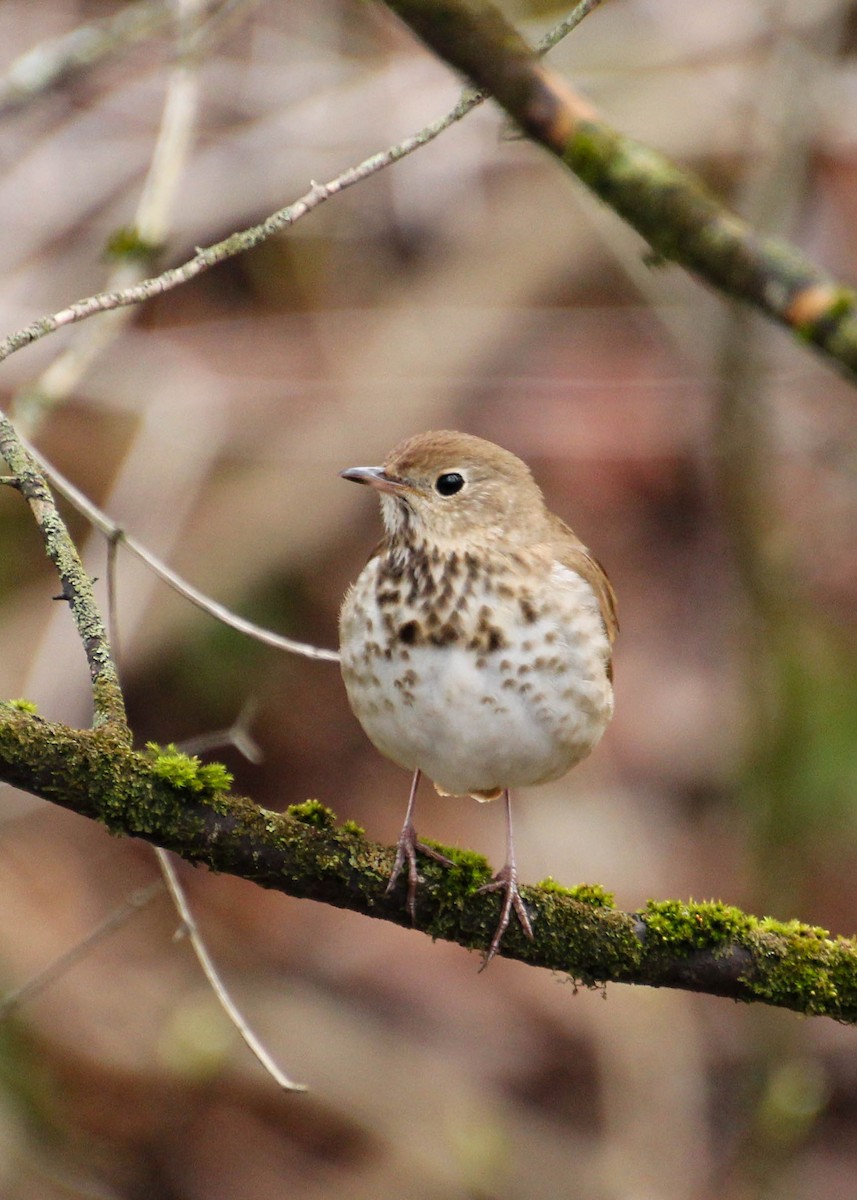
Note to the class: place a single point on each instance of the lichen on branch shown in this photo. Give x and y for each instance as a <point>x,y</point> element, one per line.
<point>702,947</point>
<point>680,218</point>
<point>108,703</point>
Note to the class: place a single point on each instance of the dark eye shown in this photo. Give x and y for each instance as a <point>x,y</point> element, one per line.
<point>449,483</point>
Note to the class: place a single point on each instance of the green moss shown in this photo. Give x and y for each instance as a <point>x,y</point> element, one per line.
<point>466,862</point>
<point>312,812</point>
<point>844,303</point>
<point>789,964</point>
<point>841,305</point>
<point>126,244</point>
<point>654,260</point>
<point>549,884</point>
<point>791,929</point>
<point>798,966</point>
<point>585,153</point>
<point>452,884</point>
<point>353,828</point>
<point>214,777</point>
<point>24,706</point>
<point>186,773</point>
<point>592,894</point>
<point>679,927</point>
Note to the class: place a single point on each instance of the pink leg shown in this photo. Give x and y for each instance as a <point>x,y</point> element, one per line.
<point>406,849</point>
<point>506,881</point>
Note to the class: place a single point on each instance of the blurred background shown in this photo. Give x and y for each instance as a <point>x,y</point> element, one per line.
<point>708,461</point>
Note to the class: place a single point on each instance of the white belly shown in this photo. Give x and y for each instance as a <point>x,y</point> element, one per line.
<point>477,721</point>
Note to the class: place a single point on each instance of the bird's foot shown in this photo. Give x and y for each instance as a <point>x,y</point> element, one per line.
<point>407,848</point>
<point>506,881</point>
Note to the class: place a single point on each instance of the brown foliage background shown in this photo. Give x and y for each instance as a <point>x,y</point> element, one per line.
<point>707,460</point>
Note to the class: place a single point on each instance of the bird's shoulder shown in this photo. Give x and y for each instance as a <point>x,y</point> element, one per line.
<point>379,550</point>
<point>570,552</point>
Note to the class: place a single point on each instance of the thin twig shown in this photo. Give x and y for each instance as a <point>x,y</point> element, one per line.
<point>678,215</point>
<point>43,979</point>
<point>112,607</point>
<point>246,239</point>
<point>115,533</point>
<point>236,735</point>
<point>190,927</point>
<point>150,223</point>
<point>57,59</point>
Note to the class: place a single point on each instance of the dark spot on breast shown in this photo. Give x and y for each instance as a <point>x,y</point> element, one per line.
<point>496,641</point>
<point>445,636</point>
<point>527,611</point>
<point>391,596</point>
<point>390,569</point>
<point>409,633</point>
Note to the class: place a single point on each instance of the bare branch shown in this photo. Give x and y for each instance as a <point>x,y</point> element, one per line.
<point>58,59</point>
<point>116,535</point>
<point>150,225</point>
<point>36,984</point>
<point>246,239</point>
<point>217,985</point>
<point>672,209</point>
<point>237,735</point>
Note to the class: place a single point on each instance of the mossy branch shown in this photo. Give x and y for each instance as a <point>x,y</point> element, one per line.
<point>163,798</point>
<point>108,703</point>
<point>680,218</point>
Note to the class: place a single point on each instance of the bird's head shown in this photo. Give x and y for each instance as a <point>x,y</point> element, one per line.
<point>453,489</point>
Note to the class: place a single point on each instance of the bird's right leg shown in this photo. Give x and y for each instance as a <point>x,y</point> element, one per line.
<point>406,849</point>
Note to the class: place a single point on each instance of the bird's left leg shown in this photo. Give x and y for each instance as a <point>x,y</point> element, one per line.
<point>406,851</point>
<point>506,881</point>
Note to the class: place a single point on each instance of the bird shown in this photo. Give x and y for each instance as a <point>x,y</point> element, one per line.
<point>476,644</point>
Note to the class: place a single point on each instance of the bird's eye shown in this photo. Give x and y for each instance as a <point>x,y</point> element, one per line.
<point>449,483</point>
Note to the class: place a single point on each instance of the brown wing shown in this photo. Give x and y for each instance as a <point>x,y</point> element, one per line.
<point>572,553</point>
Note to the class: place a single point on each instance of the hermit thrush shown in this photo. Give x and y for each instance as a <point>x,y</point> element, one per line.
<point>476,643</point>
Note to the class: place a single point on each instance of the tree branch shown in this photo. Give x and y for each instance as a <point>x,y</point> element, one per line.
<point>108,703</point>
<point>673,210</point>
<point>696,947</point>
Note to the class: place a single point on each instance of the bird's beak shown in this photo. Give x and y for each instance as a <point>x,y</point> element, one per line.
<point>377,478</point>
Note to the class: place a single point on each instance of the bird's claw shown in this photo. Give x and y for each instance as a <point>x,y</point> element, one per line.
<point>506,881</point>
<point>407,848</point>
